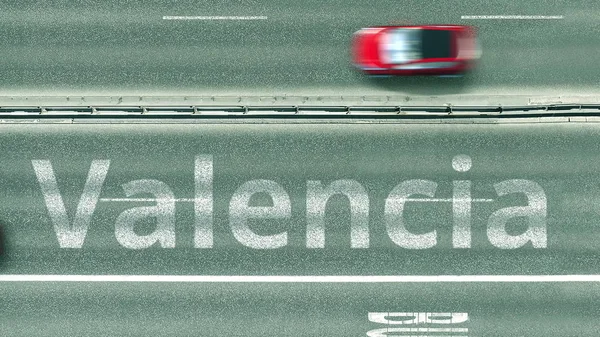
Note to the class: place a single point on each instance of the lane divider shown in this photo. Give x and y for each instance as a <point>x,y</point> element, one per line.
<point>512,17</point>
<point>210,18</point>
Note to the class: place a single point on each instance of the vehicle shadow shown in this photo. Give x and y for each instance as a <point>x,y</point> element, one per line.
<point>422,85</point>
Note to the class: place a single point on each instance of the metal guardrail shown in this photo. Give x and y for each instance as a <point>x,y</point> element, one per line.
<point>299,111</point>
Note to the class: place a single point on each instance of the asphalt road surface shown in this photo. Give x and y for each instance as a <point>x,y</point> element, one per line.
<point>92,309</point>
<point>293,47</point>
<point>251,199</point>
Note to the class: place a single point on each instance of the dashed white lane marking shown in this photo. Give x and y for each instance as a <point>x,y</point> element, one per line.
<point>301,279</point>
<point>446,200</point>
<point>143,199</point>
<point>172,17</point>
<point>512,17</point>
<point>192,200</point>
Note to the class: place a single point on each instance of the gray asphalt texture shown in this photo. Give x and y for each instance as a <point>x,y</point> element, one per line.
<point>91,309</point>
<point>302,48</point>
<point>562,158</point>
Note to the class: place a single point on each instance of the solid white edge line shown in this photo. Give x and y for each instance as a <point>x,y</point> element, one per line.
<point>300,279</point>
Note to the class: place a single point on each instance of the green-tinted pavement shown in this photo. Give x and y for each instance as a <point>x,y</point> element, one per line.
<point>89,48</point>
<point>301,48</point>
<point>555,166</point>
<point>115,309</point>
<point>561,159</point>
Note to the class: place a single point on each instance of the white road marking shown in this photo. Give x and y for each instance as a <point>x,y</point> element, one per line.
<point>144,199</point>
<point>171,17</point>
<point>445,200</point>
<point>512,17</point>
<point>461,163</point>
<point>431,330</point>
<point>301,279</point>
<point>192,200</point>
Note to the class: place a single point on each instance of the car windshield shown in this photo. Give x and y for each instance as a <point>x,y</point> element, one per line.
<point>436,43</point>
<point>401,45</point>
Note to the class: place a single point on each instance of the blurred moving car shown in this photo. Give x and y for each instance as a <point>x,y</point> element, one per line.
<point>416,50</point>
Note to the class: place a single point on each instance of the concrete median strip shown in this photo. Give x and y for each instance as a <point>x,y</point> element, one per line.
<point>364,100</point>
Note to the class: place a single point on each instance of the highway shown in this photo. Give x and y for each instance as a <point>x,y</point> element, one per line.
<point>292,48</point>
<point>91,309</point>
<point>187,202</point>
<point>79,199</point>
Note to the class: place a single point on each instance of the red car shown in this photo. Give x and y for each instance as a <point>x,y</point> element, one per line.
<point>416,50</point>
